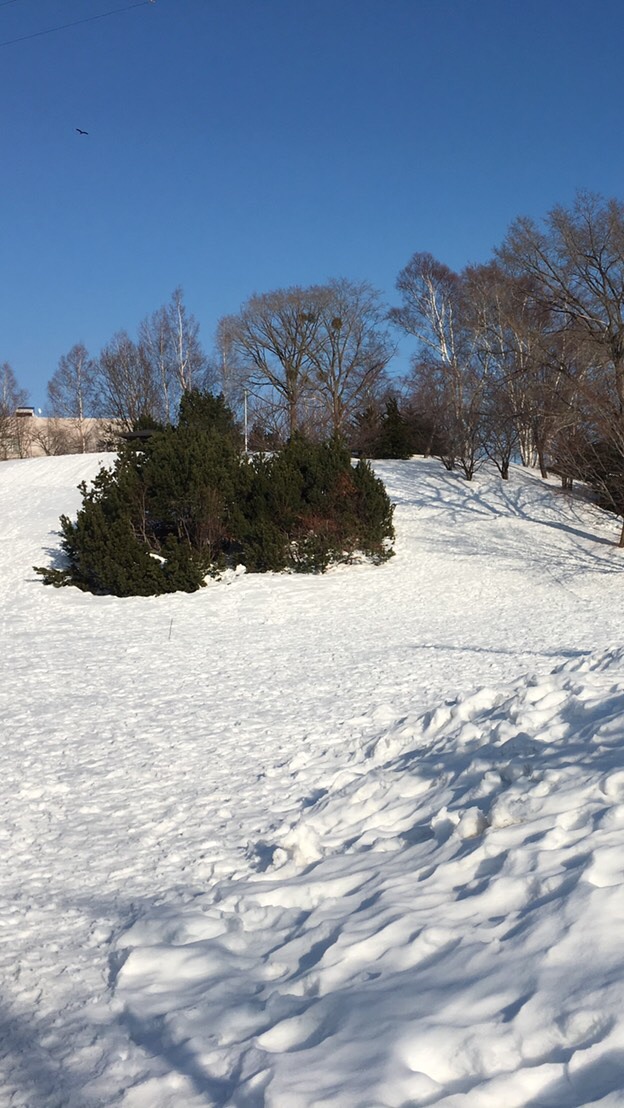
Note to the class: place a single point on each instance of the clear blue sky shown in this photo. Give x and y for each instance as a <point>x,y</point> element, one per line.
<point>238,146</point>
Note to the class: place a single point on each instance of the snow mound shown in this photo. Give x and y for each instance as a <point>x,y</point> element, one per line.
<point>440,926</point>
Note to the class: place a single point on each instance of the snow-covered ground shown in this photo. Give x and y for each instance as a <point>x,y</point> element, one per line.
<point>353,840</point>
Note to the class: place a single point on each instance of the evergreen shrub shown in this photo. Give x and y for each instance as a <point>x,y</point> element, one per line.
<point>188,504</point>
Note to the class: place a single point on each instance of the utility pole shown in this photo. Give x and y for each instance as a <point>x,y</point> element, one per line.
<point>245,394</point>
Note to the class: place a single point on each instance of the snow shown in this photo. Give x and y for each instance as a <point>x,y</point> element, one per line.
<point>290,842</point>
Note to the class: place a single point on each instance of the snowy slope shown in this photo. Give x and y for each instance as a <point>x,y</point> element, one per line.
<point>353,840</point>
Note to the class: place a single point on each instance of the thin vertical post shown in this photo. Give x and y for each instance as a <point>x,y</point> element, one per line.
<point>246,427</point>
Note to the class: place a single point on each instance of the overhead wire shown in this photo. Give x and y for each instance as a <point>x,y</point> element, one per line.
<point>75,23</point>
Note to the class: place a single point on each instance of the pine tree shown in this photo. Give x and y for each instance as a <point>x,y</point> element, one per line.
<point>187,503</point>
<point>395,439</point>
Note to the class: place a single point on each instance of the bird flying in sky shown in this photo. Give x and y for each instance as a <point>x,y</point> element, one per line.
<point>81,132</point>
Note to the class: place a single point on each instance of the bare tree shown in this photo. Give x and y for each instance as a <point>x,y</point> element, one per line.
<point>271,341</point>
<point>155,353</point>
<point>530,364</point>
<point>502,343</point>
<point>576,260</point>
<point>310,356</point>
<point>228,367</point>
<point>72,395</point>
<point>126,388</point>
<point>190,360</point>
<point>499,427</point>
<point>169,344</point>
<point>590,446</point>
<point>436,311</point>
<point>12,436</point>
<point>53,437</point>
<point>493,373</point>
<point>430,310</point>
<point>350,352</point>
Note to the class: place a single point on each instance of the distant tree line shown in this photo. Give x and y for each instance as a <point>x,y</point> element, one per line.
<point>519,358</point>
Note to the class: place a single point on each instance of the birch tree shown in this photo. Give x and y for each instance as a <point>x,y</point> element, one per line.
<point>435,312</point>
<point>72,393</point>
<point>169,344</point>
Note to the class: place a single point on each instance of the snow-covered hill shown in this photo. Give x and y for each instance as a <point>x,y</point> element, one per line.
<point>353,840</point>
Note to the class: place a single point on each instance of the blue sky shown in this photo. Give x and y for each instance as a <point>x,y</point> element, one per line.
<point>238,146</point>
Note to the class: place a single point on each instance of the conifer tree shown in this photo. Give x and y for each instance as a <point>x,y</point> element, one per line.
<point>395,438</point>
<point>187,503</point>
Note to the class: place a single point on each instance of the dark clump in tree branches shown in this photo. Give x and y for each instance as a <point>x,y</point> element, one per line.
<point>188,504</point>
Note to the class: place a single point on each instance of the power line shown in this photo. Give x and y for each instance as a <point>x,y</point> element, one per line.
<point>63,26</point>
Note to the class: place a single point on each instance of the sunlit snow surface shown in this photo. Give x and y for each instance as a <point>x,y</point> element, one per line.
<point>353,840</point>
